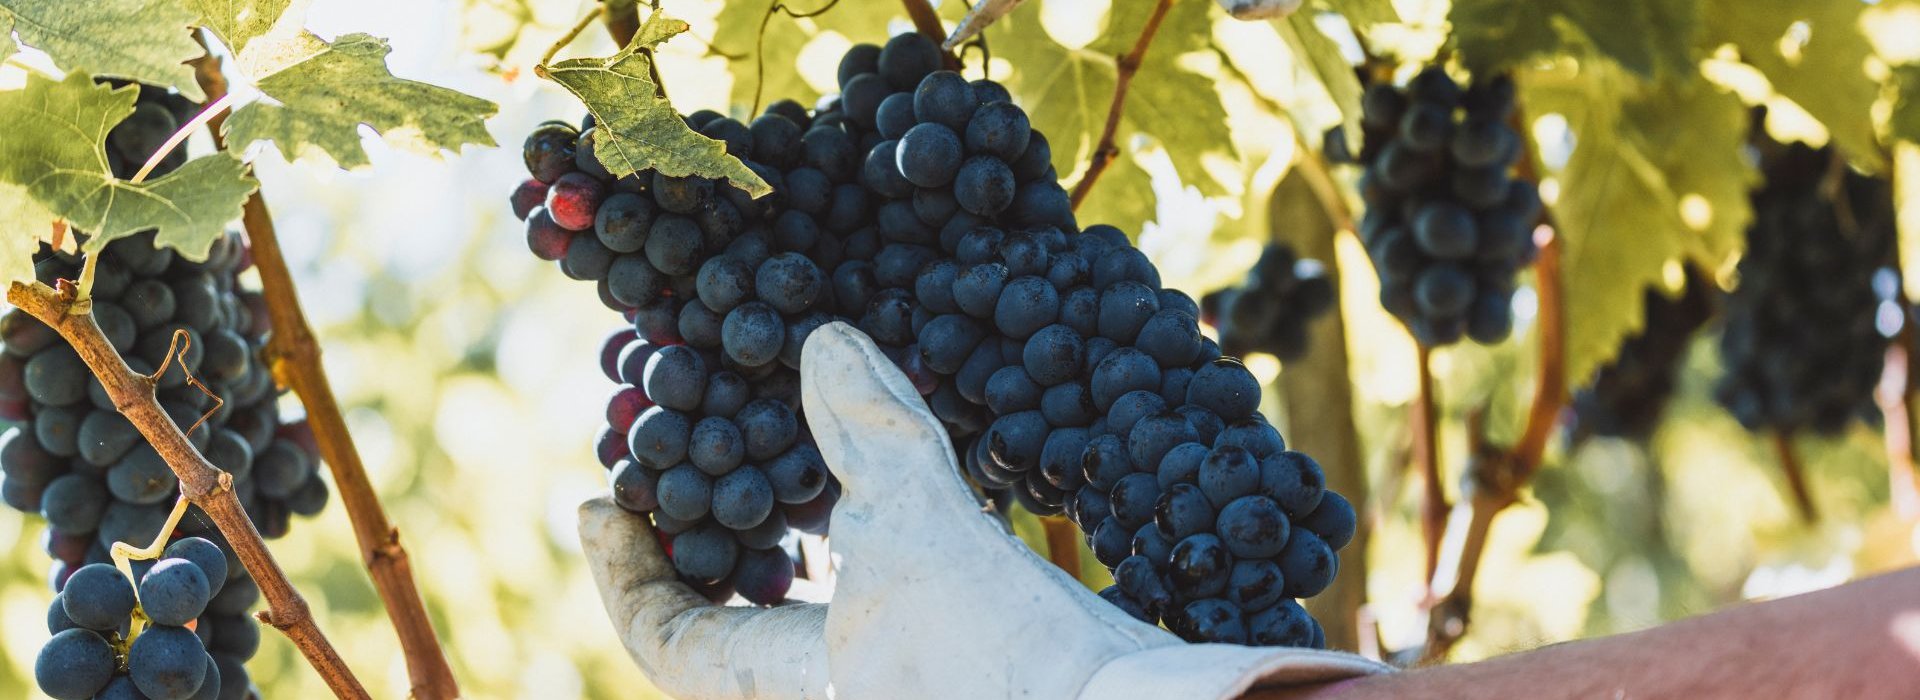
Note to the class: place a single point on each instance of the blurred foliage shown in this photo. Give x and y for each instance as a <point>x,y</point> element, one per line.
<point>470,375</point>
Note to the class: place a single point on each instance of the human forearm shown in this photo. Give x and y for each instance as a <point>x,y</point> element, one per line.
<point>1861,640</point>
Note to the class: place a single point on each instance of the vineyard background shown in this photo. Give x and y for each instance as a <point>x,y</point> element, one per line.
<point>468,374</point>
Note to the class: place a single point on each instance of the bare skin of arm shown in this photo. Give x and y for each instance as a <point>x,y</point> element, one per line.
<point>1859,641</point>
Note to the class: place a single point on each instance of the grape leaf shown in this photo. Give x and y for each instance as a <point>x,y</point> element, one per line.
<point>1814,54</point>
<point>1321,55</point>
<point>7,47</point>
<point>143,40</point>
<point>1066,93</point>
<point>1177,107</point>
<point>1643,158</point>
<point>238,22</point>
<point>638,129</point>
<point>26,222</point>
<point>1124,198</point>
<point>1649,37</point>
<point>66,169</point>
<point>325,96</point>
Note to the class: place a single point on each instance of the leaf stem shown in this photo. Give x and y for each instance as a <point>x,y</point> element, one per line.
<point>1127,65</point>
<point>180,135</point>
<point>200,482</point>
<point>294,356</point>
<point>571,34</point>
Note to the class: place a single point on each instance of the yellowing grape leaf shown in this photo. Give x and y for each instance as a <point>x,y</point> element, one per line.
<point>238,22</point>
<point>1656,177</point>
<point>66,171</point>
<point>1649,37</point>
<point>26,222</point>
<point>638,129</point>
<point>143,40</point>
<point>1814,54</point>
<point>321,100</point>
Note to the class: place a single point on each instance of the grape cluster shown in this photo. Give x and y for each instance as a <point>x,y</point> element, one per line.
<point>103,648</point>
<point>1627,396</point>
<point>75,460</point>
<point>1445,224</point>
<point>1810,255</point>
<point>923,208</point>
<point>1269,311</point>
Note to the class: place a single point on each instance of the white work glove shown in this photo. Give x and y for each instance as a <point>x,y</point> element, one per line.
<point>934,597</point>
<point>987,12</point>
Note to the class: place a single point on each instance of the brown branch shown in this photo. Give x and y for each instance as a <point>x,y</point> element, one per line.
<point>1495,476</point>
<point>1063,544</point>
<point>1796,477</point>
<point>1106,151</point>
<point>1317,390</point>
<point>294,357</point>
<point>200,482</point>
<point>926,21</point>
<point>1426,454</point>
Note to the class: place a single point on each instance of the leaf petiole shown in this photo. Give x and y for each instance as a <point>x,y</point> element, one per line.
<point>179,136</point>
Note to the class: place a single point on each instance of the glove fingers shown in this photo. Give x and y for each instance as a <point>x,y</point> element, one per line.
<point>688,647</point>
<point>869,422</point>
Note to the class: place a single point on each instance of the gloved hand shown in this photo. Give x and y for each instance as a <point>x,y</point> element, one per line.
<point>934,597</point>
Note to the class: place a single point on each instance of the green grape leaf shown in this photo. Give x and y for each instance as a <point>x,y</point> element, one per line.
<point>7,46</point>
<point>1321,55</point>
<point>26,222</point>
<point>1656,178</point>
<point>1066,93</point>
<point>66,170</point>
<point>638,129</point>
<point>1123,198</point>
<point>1649,37</point>
<point>238,22</point>
<point>144,40</point>
<point>1364,13</point>
<point>1814,54</point>
<point>322,99</point>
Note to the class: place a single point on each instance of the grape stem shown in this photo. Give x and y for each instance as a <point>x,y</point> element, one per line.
<point>1126,66</point>
<point>180,135</point>
<point>200,482</point>
<point>568,37</point>
<point>294,356</point>
<point>759,40</point>
<point>1063,544</point>
<point>1796,477</point>
<point>1426,453</point>
<point>1495,474</point>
